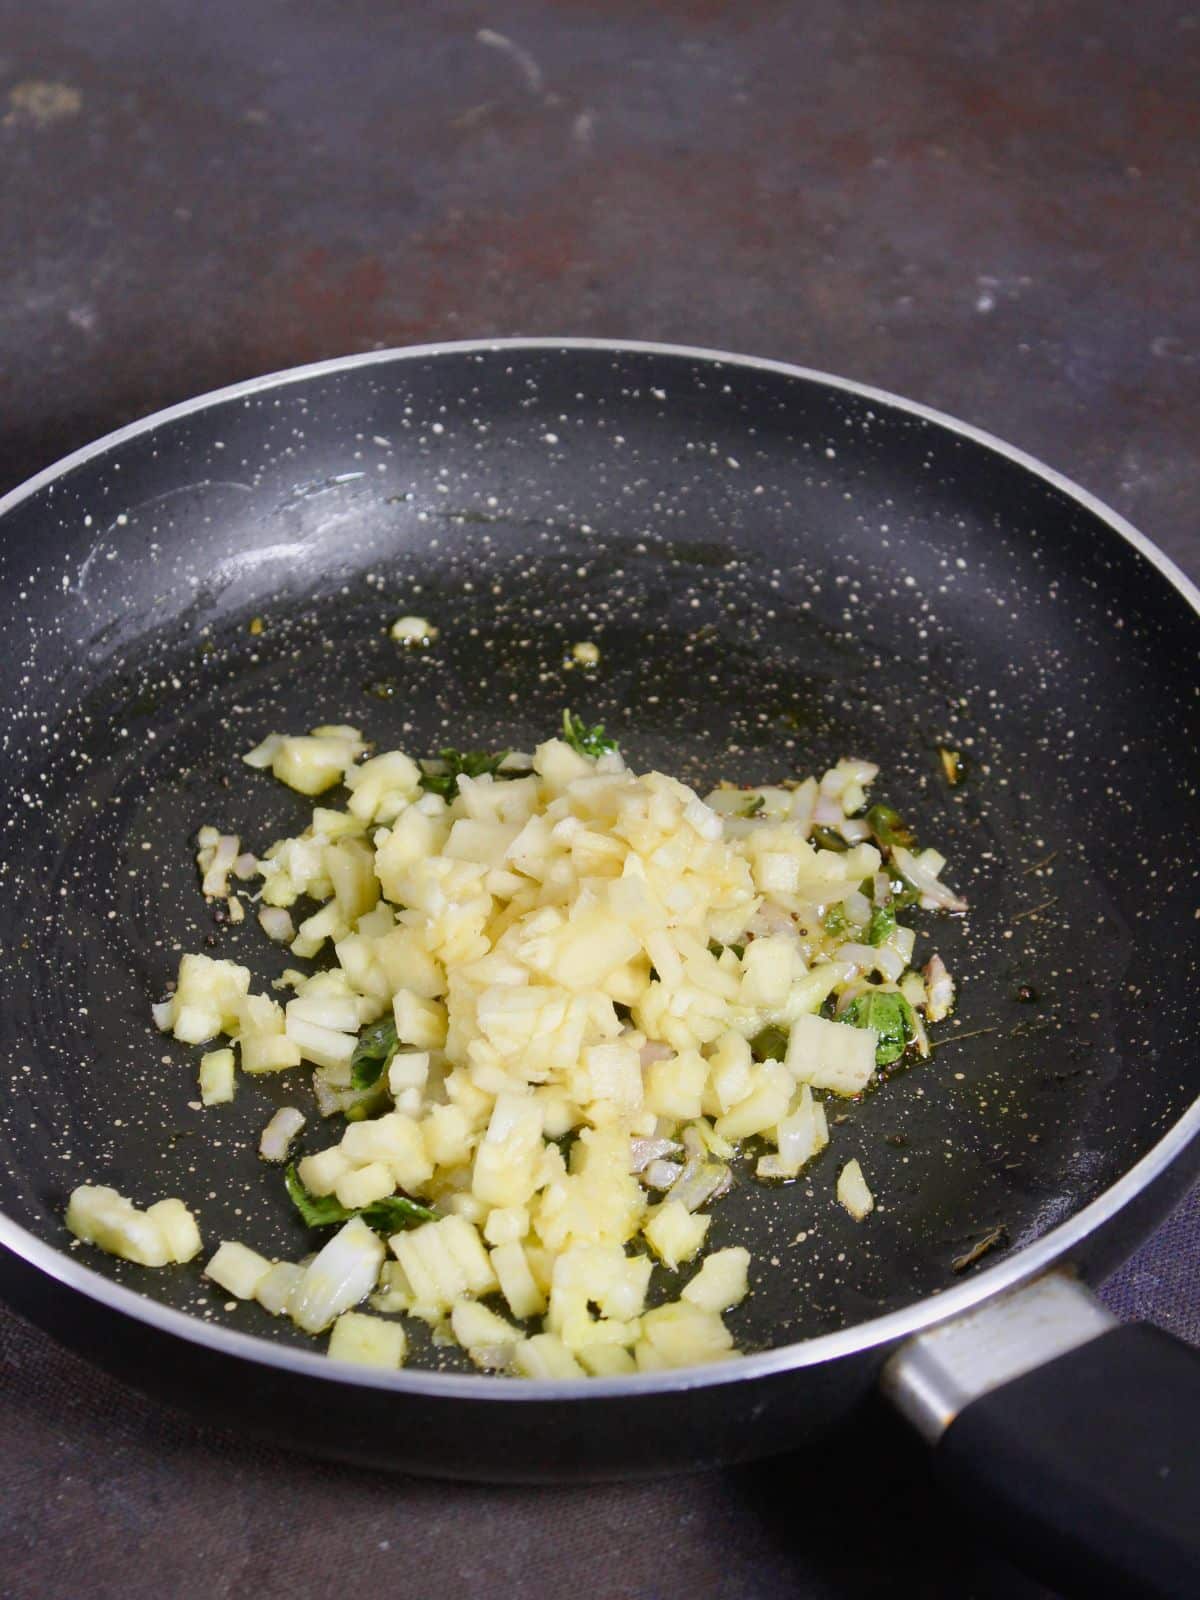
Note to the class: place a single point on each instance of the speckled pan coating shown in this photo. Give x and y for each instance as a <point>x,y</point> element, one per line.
<point>779,570</point>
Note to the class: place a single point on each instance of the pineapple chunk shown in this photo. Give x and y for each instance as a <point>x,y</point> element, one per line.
<point>237,1269</point>
<point>544,1356</point>
<point>216,1077</point>
<point>675,1232</point>
<point>274,1289</point>
<point>99,1215</point>
<point>674,1087</point>
<point>722,1281</point>
<point>516,1280</point>
<point>443,1262</point>
<point>367,1341</point>
<point>178,1228</point>
<point>361,1185</point>
<point>831,1055</point>
<point>420,1023</point>
<point>606,1360</point>
<point>321,1172</point>
<point>489,1340</point>
<point>312,762</point>
<point>772,1087</point>
<point>206,999</point>
<point>770,969</point>
<point>681,1334</point>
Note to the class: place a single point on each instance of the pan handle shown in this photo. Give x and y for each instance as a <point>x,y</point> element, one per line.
<point>1069,1440</point>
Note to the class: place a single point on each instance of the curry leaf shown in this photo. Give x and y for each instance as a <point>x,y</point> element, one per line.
<point>451,764</point>
<point>888,828</point>
<point>373,1053</point>
<point>890,1015</point>
<point>391,1215</point>
<point>587,741</point>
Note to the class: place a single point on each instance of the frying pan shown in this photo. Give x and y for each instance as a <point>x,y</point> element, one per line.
<point>780,568</point>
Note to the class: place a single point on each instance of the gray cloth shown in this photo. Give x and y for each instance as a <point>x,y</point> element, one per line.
<point>107,1496</point>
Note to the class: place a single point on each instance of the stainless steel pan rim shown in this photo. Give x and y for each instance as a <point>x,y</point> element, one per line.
<point>878,1334</point>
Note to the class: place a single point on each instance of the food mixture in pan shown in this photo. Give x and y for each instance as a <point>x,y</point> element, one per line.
<point>553,1005</point>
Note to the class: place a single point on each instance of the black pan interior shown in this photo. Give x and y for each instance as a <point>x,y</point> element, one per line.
<point>778,572</point>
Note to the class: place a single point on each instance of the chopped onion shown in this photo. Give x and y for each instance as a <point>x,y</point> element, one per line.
<point>934,895</point>
<point>643,1151</point>
<point>861,956</point>
<point>216,877</point>
<point>890,963</point>
<point>652,1051</point>
<point>246,866</point>
<point>919,1034</point>
<point>827,812</point>
<point>854,830</point>
<point>277,924</point>
<point>340,1275</point>
<point>849,995</point>
<point>279,1133</point>
<point>700,1181</point>
<point>858,908</point>
<point>660,1174</point>
<point>492,1357</point>
<point>939,986</point>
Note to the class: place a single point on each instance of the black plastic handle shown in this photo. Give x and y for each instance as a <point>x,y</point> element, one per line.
<point>1087,1469</point>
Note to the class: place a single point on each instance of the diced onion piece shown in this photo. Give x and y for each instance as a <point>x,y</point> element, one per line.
<point>853,1193</point>
<point>276,922</point>
<point>643,1151</point>
<point>339,1276</point>
<point>218,865</point>
<point>279,1133</point>
<point>934,894</point>
<point>661,1174</point>
<point>939,986</point>
<point>890,963</point>
<point>699,1181</point>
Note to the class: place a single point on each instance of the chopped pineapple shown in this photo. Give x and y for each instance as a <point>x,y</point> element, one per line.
<point>237,1269</point>
<point>100,1216</point>
<point>216,1077</point>
<point>551,992</point>
<point>367,1341</point>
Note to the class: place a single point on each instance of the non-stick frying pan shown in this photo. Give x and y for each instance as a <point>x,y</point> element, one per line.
<point>780,568</point>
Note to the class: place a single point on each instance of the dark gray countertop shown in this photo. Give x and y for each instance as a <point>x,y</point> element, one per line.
<point>993,209</point>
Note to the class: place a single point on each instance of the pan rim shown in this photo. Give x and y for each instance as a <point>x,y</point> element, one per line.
<point>876,1334</point>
